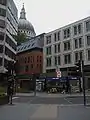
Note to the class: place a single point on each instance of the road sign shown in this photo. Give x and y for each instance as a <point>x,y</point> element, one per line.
<point>58,73</point>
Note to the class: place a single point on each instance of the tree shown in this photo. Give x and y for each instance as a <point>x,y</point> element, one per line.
<point>20,38</point>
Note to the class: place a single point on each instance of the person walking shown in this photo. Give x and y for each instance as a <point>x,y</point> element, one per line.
<point>63,89</point>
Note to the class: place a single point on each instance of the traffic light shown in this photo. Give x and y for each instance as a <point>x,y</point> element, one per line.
<point>10,67</point>
<point>78,68</point>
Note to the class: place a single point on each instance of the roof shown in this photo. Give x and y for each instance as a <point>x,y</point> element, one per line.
<point>23,23</point>
<point>36,42</point>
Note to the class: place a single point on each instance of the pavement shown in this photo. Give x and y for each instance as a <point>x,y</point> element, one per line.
<point>46,107</point>
<point>24,111</point>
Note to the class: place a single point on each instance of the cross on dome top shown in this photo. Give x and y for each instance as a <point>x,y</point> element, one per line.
<point>23,13</point>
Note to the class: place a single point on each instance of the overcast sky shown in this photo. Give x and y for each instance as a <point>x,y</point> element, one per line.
<point>47,15</point>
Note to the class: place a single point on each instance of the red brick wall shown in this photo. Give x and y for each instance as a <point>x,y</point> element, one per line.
<point>30,62</point>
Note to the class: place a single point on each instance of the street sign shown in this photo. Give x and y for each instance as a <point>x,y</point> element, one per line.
<point>58,73</point>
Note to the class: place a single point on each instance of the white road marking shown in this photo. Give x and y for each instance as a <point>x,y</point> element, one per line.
<point>68,101</point>
<point>70,105</point>
<point>15,98</point>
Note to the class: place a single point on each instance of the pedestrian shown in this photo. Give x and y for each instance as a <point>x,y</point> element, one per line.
<point>10,91</point>
<point>63,89</point>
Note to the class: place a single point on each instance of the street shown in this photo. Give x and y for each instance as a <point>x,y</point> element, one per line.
<point>69,100</point>
<point>46,107</point>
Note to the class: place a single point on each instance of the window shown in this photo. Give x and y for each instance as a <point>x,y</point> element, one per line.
<point>31,59</point>
<point>37,58</point>
<point>1,36</point>
<point>3,2</point>
<point>59,60</point>
<point>33,44</point>
<point>48,39</point>
<point>75,30</point>
<point>87,26</point>
<point>76,57</point>
<point>88,40</point>
<point>55,49</point>
<point>26,68</point>
<point>2,23</point>
<point>67,45</point>
<point>89,55</point>
<point>40,58</point>
<point>48,50</point>
<point>1,48</point>
<point>80,28</point>
<point>2,12</point>
<point>66,33</point>
<point>67,59</point>
<point>40,66</point>
<point>31,66</point>
<point>80,42</point>
<point>25,59</point>
<point>58,36</point>
<point>48,61</point>
<point>55,36</point>
<point>0,61</point>
<point>55,59</point>
<point>58,47</point>
<point>81,55</point>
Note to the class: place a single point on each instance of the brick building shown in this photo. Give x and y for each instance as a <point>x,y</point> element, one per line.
<point>30,59</point>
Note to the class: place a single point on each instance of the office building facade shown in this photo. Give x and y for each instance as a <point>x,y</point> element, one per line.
<point>8,31</point>
<point>65,46</point>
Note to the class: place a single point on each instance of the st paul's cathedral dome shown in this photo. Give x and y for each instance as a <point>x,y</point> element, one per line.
<point>24,26</point>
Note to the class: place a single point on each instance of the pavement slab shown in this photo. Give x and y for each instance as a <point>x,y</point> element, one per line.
<point>46,112</point>
<point>73,113</point>
<point>22,111</point>
<point>17,111</point>
<point>46,108</point>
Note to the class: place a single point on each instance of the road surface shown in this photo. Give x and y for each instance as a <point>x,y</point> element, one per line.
<point>46,108</point>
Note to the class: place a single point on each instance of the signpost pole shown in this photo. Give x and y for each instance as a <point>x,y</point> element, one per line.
<point>84,94</point>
